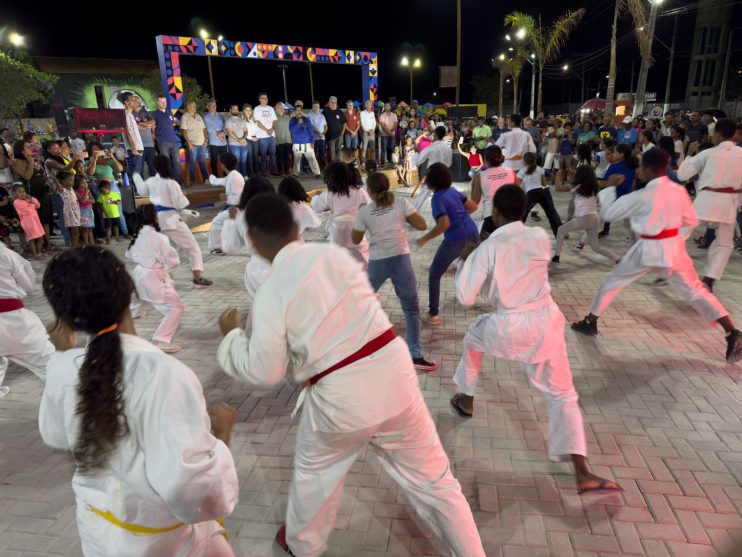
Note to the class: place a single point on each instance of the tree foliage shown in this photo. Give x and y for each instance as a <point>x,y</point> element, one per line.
<point>192,90</point>
<point>20,84</point>
<point>486,89</point>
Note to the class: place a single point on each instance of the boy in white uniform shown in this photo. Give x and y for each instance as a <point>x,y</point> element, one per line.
<point>167,197</point>
<point>657,213</point>
<point>150,478</point>
<point>23,338</point>
<point>318,311</point>
<point>511,269</point>
<point>234,183</point>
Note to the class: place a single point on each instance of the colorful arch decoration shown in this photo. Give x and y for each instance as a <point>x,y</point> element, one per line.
<point>170,48</point>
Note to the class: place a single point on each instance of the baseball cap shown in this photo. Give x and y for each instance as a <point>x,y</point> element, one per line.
<point>627,120</point>
<point>333,98</point>
<point>299,103</point>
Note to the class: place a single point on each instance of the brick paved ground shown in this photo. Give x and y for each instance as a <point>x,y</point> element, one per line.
<point>661,411</point>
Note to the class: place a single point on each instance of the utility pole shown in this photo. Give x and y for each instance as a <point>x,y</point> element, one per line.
<point>533,88</point>
<point>631,85</point>
<point>458,52</point>
<point>723,92</point>
<point>311,82</point>
<point>582,89</point>
<point>666,106</point>
<point>641,86</point>
<point>285,90</point>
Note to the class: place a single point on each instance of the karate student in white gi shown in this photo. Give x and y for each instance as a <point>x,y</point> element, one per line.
<point>234,183</point>
<point>150,478</point>
<point>719,194</point>
<point>154,256</point>
<point>291,190</point>
<point>515,143</point>
<point>318,311</point>
<point>167,197</point>
<point>511,270</point>
<point>439,151</point>
<point>343,198</point>
<point>23,338</point>
<point>657,212</point>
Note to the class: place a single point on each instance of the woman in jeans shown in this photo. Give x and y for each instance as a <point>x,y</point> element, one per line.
<point>385,220</point>
<point>451,212</point>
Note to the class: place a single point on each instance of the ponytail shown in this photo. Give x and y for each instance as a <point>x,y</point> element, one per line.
<point>378,188</point>
<point>146,215</point>
<point>531,162</point>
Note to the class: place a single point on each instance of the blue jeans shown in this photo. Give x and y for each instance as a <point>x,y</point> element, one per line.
<point>134,164</point>
<point>283,152</point>
<point>240,151</point>
<point>171,149</point>
<point>351,141</point>
<point>447,253</point>
<point>197,153</point>
<point>58,205</point>
<point>399,270</point>
<point>267,146</point>
<point>320,151</point>
<point>387,146</point>
<point>149,154</point>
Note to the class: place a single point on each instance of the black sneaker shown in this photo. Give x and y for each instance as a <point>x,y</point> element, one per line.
<point>424,365</point>
<point>602,234</point>
<point>586,327</point>
<point>217,251</point>
<point>535,217</point>
<point>202,283</point>
<point>709,283</point>
<point>555,259</point>
<point>734,346</point>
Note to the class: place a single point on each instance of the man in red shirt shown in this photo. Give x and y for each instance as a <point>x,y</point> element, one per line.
<point>351,127</point>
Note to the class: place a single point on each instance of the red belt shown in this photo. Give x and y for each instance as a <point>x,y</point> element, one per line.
<point>723,190</point>
<point>667,233</point>
<point>10,305</point>
<point>366,350</point>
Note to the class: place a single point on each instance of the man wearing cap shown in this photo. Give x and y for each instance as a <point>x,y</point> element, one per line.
<point>368,125</point>
<point>319,123</point>
<point>302,135</point>
<point>265,117</point>
<point>335,123</point>
<point>217,136</point>
<point>627,133</point>
<point>283,140</point>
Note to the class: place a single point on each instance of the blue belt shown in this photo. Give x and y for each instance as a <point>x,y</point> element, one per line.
<point>162,208</point>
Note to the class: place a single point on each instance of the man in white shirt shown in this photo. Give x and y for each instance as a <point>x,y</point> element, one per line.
<point>719,194</point>
<point>76,144</point>
<point>368,128</point>
<point>319,123</point>
<point>515,144</point>
<point>657,214</point>
<point>266,118</point>
<point>132,138</point>
<point>318,311</point>
<point>439,151</point>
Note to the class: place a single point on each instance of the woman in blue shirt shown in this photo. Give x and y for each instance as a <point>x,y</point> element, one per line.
<point>621,173</point>
<point>451,213</point>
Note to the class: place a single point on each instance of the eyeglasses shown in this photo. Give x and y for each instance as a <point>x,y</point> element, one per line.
<point>261,98</point>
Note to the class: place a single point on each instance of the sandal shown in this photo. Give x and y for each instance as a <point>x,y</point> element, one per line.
<point>457,407</point>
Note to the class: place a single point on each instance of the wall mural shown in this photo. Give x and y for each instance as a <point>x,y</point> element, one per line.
<point>77,90</point>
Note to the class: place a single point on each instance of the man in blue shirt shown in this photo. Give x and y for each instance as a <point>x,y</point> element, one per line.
<point>302,136</point>
<point>167,140</point>
<point>608,130</point>
<point>627,133</point>
<point>217,136</point>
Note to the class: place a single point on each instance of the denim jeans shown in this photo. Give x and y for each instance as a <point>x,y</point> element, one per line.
<point>369,140</point>
<point>58,206</point>
<point>134,164</point>
<point>171,149</point>
<point>148,155</point>
<point>351,141</point>
<point>267,147</point>
<point>399,270</point>
<point>283,156</point>
<point>320,151</point>
<point>387,146</point>
<point>197,153</point>
<point>447,253</point>
<point>252,157</point>
<point>240,151</point>
<point>333,147</point>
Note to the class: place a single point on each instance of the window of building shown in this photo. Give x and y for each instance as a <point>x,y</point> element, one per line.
<point>714,35</point>
<point>709,73</point>
<point>697,76</point>
<point>701,44</point>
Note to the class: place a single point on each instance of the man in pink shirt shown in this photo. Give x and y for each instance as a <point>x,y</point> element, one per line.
<point>388,126</point>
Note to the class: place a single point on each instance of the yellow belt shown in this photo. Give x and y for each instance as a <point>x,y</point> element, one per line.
<point>136,528</point>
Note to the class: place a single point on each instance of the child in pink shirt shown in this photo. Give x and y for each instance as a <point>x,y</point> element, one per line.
<point>26,207</point>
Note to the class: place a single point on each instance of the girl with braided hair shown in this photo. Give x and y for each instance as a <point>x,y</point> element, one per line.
<point>151,478</point>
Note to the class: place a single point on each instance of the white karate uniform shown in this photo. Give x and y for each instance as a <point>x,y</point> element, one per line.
<point>511,269</point>
<point>168,469</point>
<point>23,338</point>
<point>343,213</point>
<point>718,167</point>
<point>154,257</point>
<point>438,151</point>
<point>233,187</point>
<point>515,144</point>
<point>167,193</point>
<point>315,309</point>
<point>661,205</point>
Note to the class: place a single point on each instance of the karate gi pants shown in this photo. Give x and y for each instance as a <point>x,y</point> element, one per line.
<point>410,452</point>
<point>588,223</point>
<point>307,151</point>
<point>552,377</point>
<point>215,232</point>
<point>24,341</point>
<point>682,278</point>
<point>720,250</point>
<point>171,308</point>
<point>182,237</point>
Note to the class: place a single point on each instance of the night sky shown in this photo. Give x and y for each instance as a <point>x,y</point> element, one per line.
<point>382,26</point>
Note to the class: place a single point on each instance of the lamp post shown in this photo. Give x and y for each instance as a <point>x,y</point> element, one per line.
<point>521,34</point>
<point>205,36</point>
<point>641,87</point>
<point>405,62</point>
<point>285,90</point>
<point>16,40</point>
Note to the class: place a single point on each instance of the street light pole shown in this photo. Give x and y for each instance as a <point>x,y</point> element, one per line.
<point>410,84</point>
<point>666,106</point>
<point>725,75</point>
<point>285,90</point>
<point>458,50</point>
<point>533,90</point>
<point>211,77</point>
<point>641,87</point>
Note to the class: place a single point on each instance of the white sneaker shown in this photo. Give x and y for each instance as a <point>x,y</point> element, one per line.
<point>431,319</point>
<point>167,347</point>
<point>4,391</point>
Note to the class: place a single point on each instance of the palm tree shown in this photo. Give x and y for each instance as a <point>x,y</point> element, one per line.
<point>638,13</point>
<point>504,70</point>
<point>515,68</point>
<point>546,42</point>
